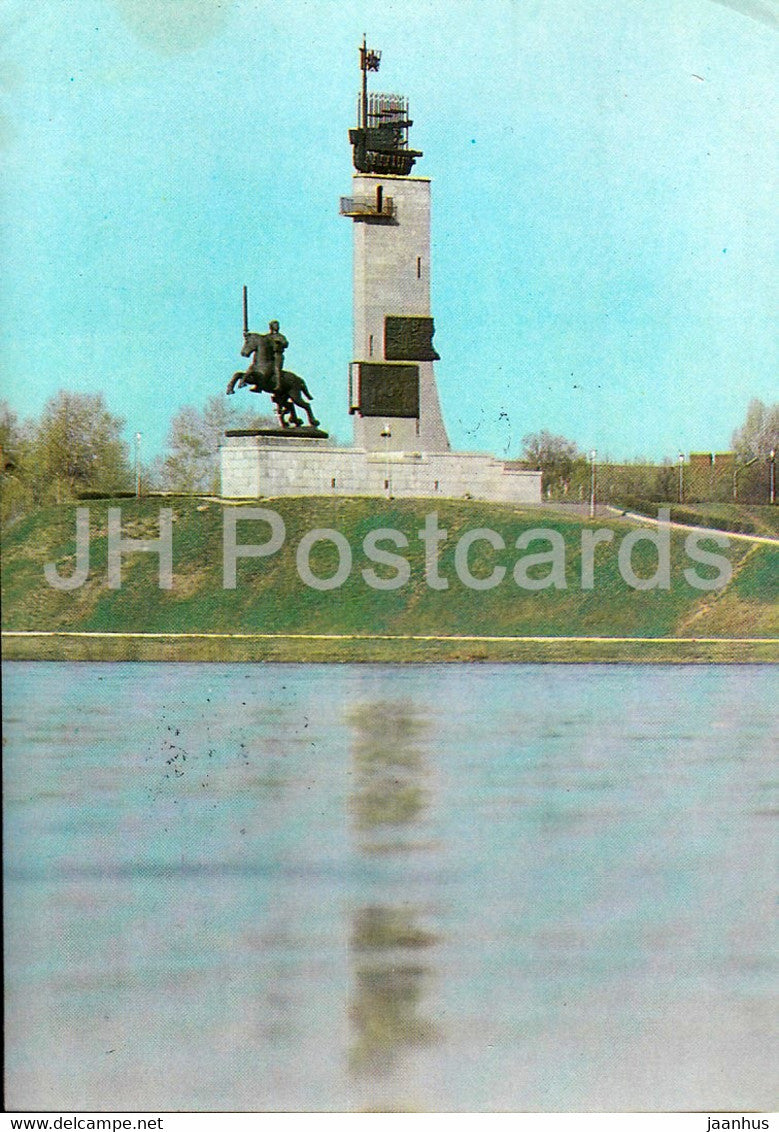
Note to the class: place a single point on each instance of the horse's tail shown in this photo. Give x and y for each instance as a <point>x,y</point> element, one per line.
<point>304,389</point>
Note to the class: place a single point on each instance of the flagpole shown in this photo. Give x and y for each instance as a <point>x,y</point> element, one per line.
<point>364,66</point>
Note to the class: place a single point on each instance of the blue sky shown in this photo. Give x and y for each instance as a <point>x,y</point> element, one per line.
<point>604,230</point>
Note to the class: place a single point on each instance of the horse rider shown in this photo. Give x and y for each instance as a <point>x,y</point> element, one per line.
<point>279,344</point>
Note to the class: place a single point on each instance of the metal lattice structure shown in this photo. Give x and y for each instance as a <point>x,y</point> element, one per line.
<point>381,144</point>
<point>380,141</point>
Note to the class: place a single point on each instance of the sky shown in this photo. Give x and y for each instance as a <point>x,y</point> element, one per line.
<point>603,236</point>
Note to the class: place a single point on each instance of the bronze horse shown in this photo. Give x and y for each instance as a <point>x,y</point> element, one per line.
<point>260,379</point>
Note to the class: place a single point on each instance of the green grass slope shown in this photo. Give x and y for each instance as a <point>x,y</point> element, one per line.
<point>270,596</point>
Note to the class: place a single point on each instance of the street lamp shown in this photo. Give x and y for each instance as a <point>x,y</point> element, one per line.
<point>593,456</point>
<point>772,476</point>
<point>137,465</point>
<point>681,477</point>
<point>386,432</point>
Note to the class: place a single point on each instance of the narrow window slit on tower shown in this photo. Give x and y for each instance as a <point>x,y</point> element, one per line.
<point>419,267</point>
<point>379,198</point>
<point>370,346</point>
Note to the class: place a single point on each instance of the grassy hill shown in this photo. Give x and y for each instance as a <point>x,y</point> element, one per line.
<point>270,597</point>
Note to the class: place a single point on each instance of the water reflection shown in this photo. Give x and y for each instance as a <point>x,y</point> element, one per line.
<point>479,890</point>
<point>389,772</point>
<point>391,943</point>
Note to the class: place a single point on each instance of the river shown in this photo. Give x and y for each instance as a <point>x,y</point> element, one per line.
<point>351,887</point>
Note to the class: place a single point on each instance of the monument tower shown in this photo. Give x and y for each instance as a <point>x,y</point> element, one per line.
<point>392,389</point>
<point>400,444</point>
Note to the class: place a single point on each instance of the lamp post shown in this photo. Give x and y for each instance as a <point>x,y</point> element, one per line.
<point>137,465</point>
<point>681,477</point>
<point>593,456</point>
<point>772,476</point>
<point>386,432</point>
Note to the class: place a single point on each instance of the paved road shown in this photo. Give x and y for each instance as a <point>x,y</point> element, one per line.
<point>765,540</point>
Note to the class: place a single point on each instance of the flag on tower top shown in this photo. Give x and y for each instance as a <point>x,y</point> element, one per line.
<point>369,59</point>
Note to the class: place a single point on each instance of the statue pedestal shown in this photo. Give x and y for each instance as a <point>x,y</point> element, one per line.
<point>269,463</point>
<point>259,462</point>
<point>305,432</point>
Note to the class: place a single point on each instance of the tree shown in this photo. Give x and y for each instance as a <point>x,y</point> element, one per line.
<point>192,462</point>
<point>759,434</point>
<point>12,437</point>
<point>14,464</point>
<point>76,446</point>
<point>556,457</point>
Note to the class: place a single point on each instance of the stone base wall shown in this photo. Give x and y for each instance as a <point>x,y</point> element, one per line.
<point>265,467</point>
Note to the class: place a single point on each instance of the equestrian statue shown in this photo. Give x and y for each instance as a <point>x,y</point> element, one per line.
<point>266,374</point>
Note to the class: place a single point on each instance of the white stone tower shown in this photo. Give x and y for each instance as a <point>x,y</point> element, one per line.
<point>392,387</point>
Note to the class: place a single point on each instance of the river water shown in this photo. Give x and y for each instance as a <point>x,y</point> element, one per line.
<point>484,887</point>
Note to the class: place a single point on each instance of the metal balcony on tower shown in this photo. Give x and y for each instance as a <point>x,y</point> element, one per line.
<point>368,208</point>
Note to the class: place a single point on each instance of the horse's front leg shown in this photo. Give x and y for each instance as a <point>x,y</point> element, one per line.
<point>236,379</point>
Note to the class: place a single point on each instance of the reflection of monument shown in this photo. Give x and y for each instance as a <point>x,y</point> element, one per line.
<point>400,441</point>
<point>391,945</point>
